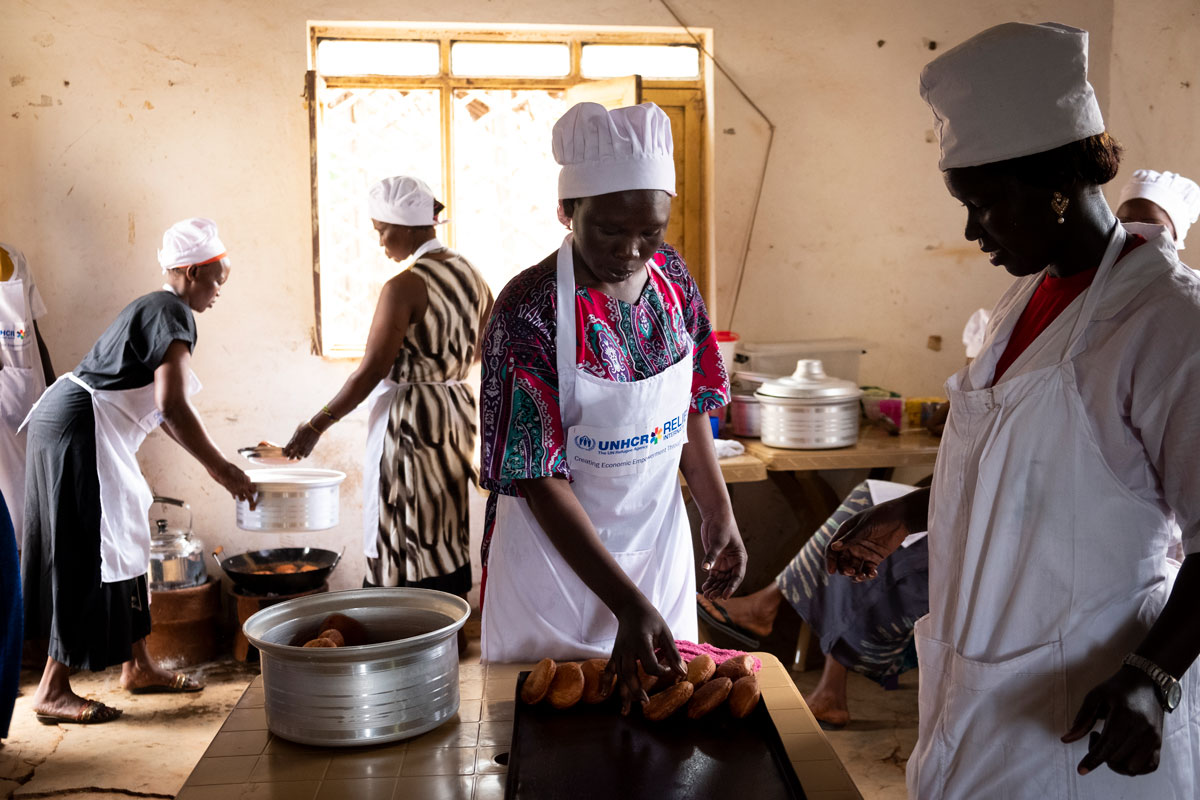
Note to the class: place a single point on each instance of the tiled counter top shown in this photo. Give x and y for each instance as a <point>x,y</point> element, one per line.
<point>456,761</point>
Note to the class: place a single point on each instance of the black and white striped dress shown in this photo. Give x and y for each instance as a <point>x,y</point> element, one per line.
<point>426,470</point>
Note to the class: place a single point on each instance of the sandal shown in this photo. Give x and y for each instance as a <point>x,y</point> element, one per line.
<point>93,713</point>
<point>179,683</point>
<point>727,626</point>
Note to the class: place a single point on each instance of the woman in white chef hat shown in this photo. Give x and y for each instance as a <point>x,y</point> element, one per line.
<point>599,367</point>
<point>87,535</point>
<point>1056,656</point>
<point>421,414</point>
<point>1161,198</point>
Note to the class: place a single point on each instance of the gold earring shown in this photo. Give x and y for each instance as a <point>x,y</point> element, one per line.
<point>1058,204</point>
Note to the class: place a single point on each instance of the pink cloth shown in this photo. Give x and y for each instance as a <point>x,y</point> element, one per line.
<point>689,650</point>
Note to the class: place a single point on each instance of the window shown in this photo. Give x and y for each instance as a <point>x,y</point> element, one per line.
<point>471,112</point>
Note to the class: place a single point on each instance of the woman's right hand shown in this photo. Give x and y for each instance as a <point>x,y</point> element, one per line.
<point>236,482</point>
<point>866,539</point>
<point>640,631</point>
<point>302,442</point>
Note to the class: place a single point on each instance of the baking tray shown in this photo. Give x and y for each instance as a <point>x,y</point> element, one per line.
<point>592,751</point>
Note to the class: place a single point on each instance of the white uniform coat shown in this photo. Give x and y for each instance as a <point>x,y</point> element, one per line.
<point>1053,501</point>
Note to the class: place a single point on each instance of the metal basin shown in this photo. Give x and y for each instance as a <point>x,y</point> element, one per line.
<point>403,686</point>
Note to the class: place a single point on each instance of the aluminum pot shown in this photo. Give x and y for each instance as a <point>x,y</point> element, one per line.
<point>292,499</point>
<point>745,414</point>
<point>403,686</point>
<point>809,410</point>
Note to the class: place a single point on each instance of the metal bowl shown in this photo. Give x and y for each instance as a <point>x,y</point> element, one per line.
<point>292,499</point>
<point>241,569</point>
<point>403,686</point>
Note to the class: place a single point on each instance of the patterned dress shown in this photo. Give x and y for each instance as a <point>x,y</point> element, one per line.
<point>523,436</point>
<point>426,468</point>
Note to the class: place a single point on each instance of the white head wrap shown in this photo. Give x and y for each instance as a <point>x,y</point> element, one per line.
<point>190,241</point>
<point>1171,192</point>
<point>402,201</point>
<point>604,151</point>
<point>1011,91</point>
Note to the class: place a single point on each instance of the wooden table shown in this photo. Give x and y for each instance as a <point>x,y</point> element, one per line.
<point>464,759</point>
<point>875,449</point>
<point>745,468</point>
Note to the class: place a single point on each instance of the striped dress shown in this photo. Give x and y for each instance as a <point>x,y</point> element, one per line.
<point>426,468</point>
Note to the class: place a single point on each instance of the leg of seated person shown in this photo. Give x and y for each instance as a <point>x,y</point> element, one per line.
<point>827,700</point>
<point>802,583</point>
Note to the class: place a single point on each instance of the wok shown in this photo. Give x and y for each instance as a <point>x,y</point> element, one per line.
<point>241,569</point>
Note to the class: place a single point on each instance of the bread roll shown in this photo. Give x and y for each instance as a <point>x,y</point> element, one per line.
<point>743,697</point>
<point>667,702</point>
<point>320,643</point>
<point>353,631</point>
<point>567,687</point>
<point>538,682</point>
<point>647,680</point>
<point>700,669</point>
<point>595,689</point>
<point>708,697</point>
<point>736,667</point>
<point>333,635</point>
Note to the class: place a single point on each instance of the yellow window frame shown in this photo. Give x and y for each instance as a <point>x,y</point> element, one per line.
<point>686,99</point>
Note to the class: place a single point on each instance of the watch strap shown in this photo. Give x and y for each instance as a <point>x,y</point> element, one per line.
<point>1163,680</point>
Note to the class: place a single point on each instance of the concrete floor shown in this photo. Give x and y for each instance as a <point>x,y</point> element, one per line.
<point>152,749</point>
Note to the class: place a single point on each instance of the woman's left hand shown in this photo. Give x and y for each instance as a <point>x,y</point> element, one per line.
<point>302,442</point>
<point>1133,722</point>
<point>724,557</point>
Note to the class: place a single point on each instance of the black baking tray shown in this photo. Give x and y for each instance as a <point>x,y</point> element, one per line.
<point>592,751</point>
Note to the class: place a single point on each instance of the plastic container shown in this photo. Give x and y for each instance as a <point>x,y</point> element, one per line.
<point>727,345</point>
<point>840,357</point>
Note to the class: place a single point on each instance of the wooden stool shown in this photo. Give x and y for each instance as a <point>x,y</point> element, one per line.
<point>250,604</point>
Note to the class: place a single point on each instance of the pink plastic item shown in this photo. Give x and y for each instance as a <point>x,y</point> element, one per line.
<point>689,650</point>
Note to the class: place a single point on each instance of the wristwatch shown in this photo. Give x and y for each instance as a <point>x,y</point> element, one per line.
<point>1169,690</point>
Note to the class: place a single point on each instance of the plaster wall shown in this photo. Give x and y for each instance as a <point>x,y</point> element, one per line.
<point>118,118</point>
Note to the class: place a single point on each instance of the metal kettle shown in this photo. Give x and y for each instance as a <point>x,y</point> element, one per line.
<point>176,555</point>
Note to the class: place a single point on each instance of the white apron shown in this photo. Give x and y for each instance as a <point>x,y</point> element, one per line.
<point>21,381</point>
<point>1045,570</point>
<point>623,446</point>
<point>123,420</point>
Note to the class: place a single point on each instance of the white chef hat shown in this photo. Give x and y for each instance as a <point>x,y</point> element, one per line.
<point>402,200</point>
<point>190,241</point>
<point>1173,193</point>
<point>1011,91</point>
<point>604,151</point>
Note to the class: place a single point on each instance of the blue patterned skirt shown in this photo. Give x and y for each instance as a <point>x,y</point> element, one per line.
<point>867,627</point>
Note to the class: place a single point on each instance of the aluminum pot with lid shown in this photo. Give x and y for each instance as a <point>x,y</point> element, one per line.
<point>403,684</point>
<point>809,410</point>
<point>292,499</point>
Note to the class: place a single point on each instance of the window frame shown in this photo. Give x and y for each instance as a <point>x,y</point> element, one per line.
<point>445,35</point>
